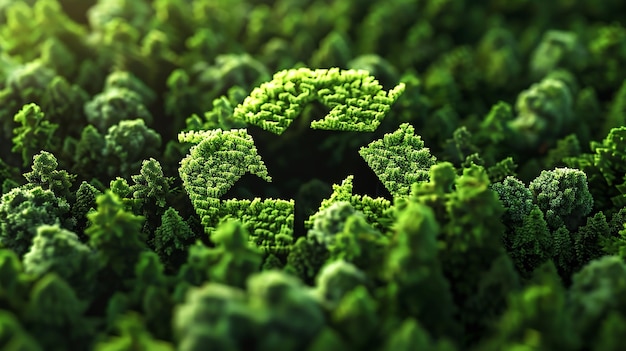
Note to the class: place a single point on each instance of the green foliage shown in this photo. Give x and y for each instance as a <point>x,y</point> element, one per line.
<point>617,109</point>
<point>470,239</point>
<point>269,222</point>
<point>327,340</point>
<point>516,199</point>
<point>23,210</point>
<point>55,315</point>
<point>113,106</point>
<point>335,280</point>
<point>127,144</point>
<point>490,300</point>
<point>399,159</point>
<point>45,174</point>
<point>15,283</point>
<point>329,222</point>
<point>544,110</point>
<point>410,335</point>
<point>47,20</point>
<point>35,132</point>
<point>289,316</point>
<point>359,243</point>
<point>563,195</point>
<point>119,186</point>
<point>306,258</point>
<point>85,202</point>
<point>335,47</point>
<point>127,80</point>
<point>462,221</point>
<point>460,149</point>
<point>615,242</point>
<point>537,317</point>
<point>499,57</point>
<point>23,85</point>
<point>150,294</point>
<point>355,99</point>
<point>597,292</point>
<point>63,103</point>
<point>59,251</point>
<point>102,255</point>
<point>344,233</point>
<point>563,250</point>
<point>439,84</point>
<point>213,314</point>
<point>605,167</point>
<point>412,265</point>
<point>610,333</point>
<point>609,157</point>
<point>194,271</point>
<point>151,187</point>
<point>115,234</point>
<point>275,311</point>
<point>565,148</point>
<point>172,237</point>
<point>356,317</point>
<point>7,175</point>
<point>606,49</point>
<point>377,211</point>
<point>221,114</point>
<point>231,262</point>
<point>230,70</point>
<point>234,260</point>
<point>557,49</point>
<point>531,243</point>
<point>588,239</point>
<point>86,153</point>
<point>181,99</point>
<point>132,334</point>
<point>13,336</point>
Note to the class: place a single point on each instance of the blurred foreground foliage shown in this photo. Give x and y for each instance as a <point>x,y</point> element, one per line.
<point>487,211</point>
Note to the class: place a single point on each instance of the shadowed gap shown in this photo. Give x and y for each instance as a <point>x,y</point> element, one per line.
<point>304,163</point>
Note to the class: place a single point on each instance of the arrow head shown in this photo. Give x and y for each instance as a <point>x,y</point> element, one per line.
<point>218,160</point>
<point>399,159</point>
<point>356,100</point>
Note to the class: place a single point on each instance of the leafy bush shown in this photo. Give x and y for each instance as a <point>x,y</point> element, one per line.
<point>312,175</point>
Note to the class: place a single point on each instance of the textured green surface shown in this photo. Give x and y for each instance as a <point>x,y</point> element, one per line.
<point>312,175</point>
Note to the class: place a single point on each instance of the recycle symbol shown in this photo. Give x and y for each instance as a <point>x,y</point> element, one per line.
<point>357,102</point>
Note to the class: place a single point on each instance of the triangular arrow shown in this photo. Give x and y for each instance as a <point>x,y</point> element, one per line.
<point>217,161</point>
<point>356,100</point>
<point>399,159</point>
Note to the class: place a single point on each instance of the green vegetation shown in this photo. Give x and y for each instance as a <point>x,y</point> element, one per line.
<point>312,175</point>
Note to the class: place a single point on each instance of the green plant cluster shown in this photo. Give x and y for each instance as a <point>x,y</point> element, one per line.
<point>312,175</point>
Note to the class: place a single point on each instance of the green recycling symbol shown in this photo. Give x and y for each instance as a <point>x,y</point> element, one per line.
<point>357,102</point>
